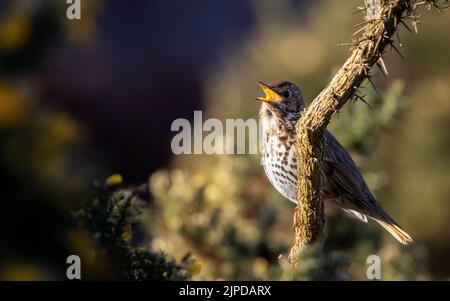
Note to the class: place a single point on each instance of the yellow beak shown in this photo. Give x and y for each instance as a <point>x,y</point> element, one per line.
<point>271,96</point>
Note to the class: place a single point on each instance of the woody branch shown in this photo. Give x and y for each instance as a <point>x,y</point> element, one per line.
<point>381,21</point>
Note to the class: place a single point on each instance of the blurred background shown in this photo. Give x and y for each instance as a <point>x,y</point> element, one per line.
<point>85,113</point>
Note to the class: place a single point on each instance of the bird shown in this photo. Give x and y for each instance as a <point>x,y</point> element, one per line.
<point>343,184</point>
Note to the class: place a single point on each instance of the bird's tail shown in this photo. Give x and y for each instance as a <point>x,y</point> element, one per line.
<point>395,230</point>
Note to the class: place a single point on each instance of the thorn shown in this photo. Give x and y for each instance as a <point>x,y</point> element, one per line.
<point>368,104</point>
<point>398,38</point>
<point>359,97</point>
<point>395,48</point>
<point>414,23</point>
<point>345,44</point>
<point>379,66</point>
<point>361,24</point>
<point>404,24</point>
<point>380,63</point>
<point>417,4</point>
<point>373,85</point>
<point>378,42</point>
<point>360,9</point>
<point>358,31</point>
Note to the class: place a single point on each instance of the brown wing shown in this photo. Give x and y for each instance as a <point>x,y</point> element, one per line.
<point>345,186</point>
<point>343,181</point>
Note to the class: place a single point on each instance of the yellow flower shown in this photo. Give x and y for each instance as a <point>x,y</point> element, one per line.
<point>22,271</point>
<point>194,268</point>
<point>11,109</point>
<point>63,127</point>
<point>84,32</point>
<point>127,233</point>
<point>14,31</point>
<point>114,179</point>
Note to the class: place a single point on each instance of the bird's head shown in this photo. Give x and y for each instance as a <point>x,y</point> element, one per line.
<point>283,98</point>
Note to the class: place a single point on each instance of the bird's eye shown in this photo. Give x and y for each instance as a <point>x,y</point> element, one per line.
<point>286,93</point>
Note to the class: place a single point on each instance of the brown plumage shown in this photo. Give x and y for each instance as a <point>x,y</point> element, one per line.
<point>343,184</point>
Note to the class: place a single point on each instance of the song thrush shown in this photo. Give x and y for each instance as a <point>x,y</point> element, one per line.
<point>343,184</point>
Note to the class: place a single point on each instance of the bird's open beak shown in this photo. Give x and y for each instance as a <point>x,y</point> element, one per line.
<point>271,96</point>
